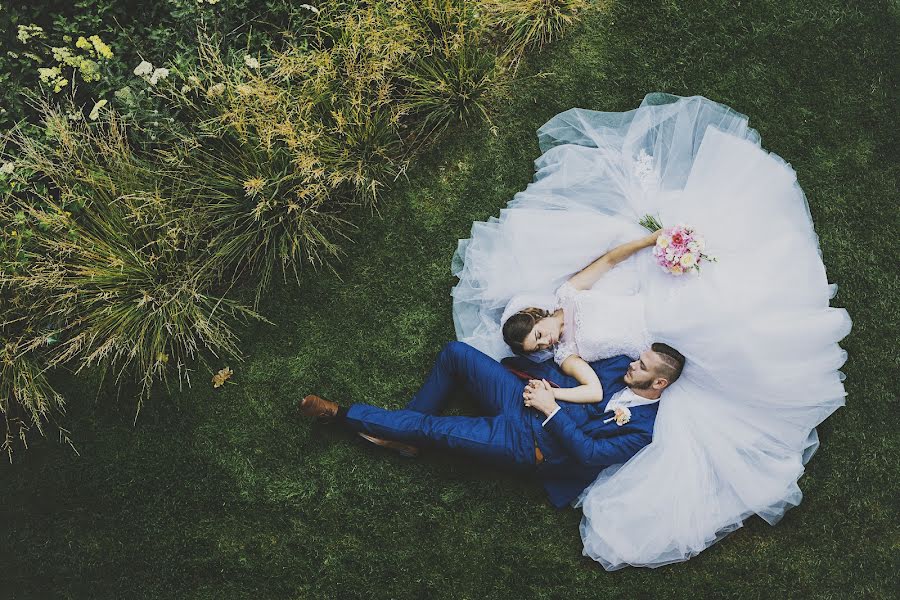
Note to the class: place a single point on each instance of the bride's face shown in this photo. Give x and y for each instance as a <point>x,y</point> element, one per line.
<point>545,334</point>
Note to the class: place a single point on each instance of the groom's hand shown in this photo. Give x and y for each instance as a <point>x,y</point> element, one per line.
<point>539,395</point>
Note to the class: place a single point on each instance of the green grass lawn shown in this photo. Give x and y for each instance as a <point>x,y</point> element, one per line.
<point>225,493</point>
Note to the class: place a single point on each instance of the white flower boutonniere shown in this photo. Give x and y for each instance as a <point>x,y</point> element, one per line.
<point>621,416</point>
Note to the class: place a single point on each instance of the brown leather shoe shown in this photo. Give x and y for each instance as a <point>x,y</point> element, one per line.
<point>317,408</point>
<point>398,447</point>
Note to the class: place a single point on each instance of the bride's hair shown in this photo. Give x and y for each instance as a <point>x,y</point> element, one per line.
<point>518,326</point>
<point>673,361</point>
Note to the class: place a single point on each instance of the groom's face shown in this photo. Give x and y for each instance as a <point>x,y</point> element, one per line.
<point>643,373</point>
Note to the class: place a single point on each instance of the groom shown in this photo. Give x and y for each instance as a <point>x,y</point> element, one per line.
<point>523,426</point>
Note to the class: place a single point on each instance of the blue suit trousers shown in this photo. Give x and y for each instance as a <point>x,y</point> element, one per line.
<point>503,435</point>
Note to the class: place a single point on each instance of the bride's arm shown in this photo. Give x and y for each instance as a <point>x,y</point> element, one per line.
<point>589,275</point>
<point>590,389</point>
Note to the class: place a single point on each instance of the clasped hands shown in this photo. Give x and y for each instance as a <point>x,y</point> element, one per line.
<point>539,395</point>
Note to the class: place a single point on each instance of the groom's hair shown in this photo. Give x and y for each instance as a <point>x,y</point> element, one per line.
<point>672,359</point>
<point>518,326</point>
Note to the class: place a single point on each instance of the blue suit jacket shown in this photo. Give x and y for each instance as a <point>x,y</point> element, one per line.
<point>583,445</point>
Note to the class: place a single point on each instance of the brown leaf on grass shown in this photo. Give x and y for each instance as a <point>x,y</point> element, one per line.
<point>221,377</point>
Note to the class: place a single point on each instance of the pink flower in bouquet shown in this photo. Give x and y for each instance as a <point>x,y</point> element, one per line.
<point>678,250</point>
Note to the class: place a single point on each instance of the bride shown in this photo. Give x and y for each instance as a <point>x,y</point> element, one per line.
<point>734,432</point>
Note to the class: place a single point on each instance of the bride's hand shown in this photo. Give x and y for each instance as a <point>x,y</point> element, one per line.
<point>651,239</point>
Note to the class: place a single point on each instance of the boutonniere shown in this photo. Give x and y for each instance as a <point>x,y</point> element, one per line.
<point>621,416</point>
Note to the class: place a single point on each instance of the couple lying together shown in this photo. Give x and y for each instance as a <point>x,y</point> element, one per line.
<point>667,408</point>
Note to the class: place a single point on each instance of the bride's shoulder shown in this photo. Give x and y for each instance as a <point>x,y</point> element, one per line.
<point>566,292</point>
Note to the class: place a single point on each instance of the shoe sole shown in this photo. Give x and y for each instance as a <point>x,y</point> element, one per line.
<point>401,449</point>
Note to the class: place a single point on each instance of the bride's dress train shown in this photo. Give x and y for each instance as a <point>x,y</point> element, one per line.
<point>732,435</point>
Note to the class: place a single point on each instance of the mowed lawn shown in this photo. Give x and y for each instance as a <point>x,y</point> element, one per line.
<point>226,493</point>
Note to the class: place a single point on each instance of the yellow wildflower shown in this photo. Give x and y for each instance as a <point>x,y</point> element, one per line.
<point>27,32</point>
<point>254,186</point>
<point>102,49</point>
<point>83,43</point>
<point>46,74</point>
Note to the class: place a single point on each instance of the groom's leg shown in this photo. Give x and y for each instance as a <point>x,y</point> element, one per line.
<point>460,366</point>
<point>502,440</point>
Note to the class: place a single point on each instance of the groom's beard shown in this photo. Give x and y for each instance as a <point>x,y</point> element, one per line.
<point>643,385</point>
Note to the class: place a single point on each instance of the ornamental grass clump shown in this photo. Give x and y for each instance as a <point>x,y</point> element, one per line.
<point>112,267</point>
<point>259,213</point>
<point>450,80</point>
<point>529,24</point>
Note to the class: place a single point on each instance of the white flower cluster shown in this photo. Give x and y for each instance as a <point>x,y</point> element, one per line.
<point>251,61</point>
<point>7,168</point>
<point>146,71</point>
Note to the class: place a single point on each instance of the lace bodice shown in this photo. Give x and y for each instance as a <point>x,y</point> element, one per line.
<point>600,325</point>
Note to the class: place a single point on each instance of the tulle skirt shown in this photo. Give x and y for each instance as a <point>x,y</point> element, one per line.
<point>732,435</point>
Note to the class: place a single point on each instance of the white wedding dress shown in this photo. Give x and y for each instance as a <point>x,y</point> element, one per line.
<point>733,433</point>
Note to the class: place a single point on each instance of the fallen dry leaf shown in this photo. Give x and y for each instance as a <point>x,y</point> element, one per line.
<point>222,376</point>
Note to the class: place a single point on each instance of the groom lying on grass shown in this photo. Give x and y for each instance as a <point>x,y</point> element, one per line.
<point>524,426</point>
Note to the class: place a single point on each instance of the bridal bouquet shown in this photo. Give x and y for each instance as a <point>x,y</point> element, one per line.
<point>678,249</point>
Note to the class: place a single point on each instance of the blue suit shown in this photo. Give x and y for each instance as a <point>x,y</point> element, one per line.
<point>575,443</point>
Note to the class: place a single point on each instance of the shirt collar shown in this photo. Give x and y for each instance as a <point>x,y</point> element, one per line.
<point>627,398</point>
